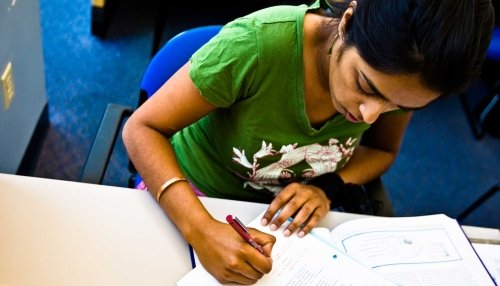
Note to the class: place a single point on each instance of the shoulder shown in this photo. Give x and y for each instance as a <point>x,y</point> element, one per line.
<point>274,21</point>
<point>277,14</point>
<point>263,33</point>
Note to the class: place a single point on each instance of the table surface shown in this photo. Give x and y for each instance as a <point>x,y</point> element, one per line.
<point>66,233</point>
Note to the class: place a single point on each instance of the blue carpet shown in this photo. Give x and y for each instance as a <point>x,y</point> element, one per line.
<point>441,167</point>
<point>83,74</point>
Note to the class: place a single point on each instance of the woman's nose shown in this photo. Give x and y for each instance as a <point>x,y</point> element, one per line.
<point>370,111</point>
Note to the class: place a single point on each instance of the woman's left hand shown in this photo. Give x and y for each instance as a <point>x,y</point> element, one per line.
<point>307,203</point>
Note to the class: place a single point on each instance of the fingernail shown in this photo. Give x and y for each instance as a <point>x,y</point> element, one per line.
<point>263,222</point>
<point>273,227</point>
<point>301,233</point>
<point>287,232</point>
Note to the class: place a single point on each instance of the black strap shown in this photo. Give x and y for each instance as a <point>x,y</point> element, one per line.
<point>348,197</point>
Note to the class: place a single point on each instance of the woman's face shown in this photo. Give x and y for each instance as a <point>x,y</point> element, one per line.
<point>361,93</point>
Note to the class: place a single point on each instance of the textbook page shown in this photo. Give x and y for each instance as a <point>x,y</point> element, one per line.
<point>310,260</point>
<point>426,250</point>
<point>490,255</point>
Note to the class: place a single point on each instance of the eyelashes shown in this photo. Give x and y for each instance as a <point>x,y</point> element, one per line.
<point>361,90</point>
<point>388,105</point>
<point>368,94</point>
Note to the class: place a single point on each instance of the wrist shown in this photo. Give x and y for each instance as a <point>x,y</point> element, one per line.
<point>197,228</point>
<point>186,211</point>
<point>343,196</point>
<point>332,185</point>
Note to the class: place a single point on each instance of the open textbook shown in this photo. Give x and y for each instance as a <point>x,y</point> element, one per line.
<point>426,250</point>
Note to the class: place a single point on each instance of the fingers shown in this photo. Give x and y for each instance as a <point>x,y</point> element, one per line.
<point>279,201</point>
<point>234,260</point>
<point>266,241</point>
<point>306,204</point>
<point>242,273</point>
<point>250,265</point>
<point>245,266</point>
<point>304,221</point>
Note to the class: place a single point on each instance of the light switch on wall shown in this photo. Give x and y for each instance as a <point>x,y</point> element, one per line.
<point>8,89</point>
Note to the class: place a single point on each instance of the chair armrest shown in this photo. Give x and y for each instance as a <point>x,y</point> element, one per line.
<point>102,147</point>
<point>478,202</point>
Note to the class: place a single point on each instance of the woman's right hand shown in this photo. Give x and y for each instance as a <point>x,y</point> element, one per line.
<point>228,257</point>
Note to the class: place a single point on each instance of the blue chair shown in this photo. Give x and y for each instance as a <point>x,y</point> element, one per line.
<point>479,202</point>
<point>494,47</point>
<point>484,111</point>
<point>172,56</point>
<point>489,109</point>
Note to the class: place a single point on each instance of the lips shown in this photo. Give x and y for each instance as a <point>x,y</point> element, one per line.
<point>351,117</point>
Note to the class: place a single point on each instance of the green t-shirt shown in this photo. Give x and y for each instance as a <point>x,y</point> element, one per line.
<point>259,139</point>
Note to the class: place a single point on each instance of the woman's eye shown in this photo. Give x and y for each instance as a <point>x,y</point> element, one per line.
<point>361,90</point>
<point>369,93</point>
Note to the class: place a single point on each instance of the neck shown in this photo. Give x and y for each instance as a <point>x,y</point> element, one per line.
<point>317,43</point>
<point>324,58</point>
<point>324,43</point>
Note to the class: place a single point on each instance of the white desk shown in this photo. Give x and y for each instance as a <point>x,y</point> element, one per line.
<point>65,233</point>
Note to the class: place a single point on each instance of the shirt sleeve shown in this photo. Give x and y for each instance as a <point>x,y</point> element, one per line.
<point>223,70</point>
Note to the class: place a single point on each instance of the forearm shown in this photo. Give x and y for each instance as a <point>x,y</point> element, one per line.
<point>366,164</point>
<point>378,149</point>
<point>154,158</point>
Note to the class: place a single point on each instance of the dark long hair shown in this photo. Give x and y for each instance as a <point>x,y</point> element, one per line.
<point>445,41</point>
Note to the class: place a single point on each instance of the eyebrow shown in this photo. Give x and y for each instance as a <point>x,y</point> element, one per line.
<point>379,94</point>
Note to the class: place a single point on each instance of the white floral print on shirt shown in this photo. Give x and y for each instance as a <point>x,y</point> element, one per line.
<point>321,159</point>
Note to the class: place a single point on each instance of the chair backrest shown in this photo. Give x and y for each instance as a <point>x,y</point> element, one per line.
<point>494,47</point>
<point>173,55</point>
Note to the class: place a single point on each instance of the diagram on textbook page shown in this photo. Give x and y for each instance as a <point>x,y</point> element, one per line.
<point>413,251</point>
<point>380,248</point>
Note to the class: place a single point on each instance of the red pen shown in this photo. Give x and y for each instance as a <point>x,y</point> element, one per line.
<point>243,232</point>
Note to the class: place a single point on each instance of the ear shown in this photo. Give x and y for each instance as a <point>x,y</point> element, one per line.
<point>346,17</point>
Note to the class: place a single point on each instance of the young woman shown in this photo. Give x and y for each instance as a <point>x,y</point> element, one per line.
<point>281,97</point>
